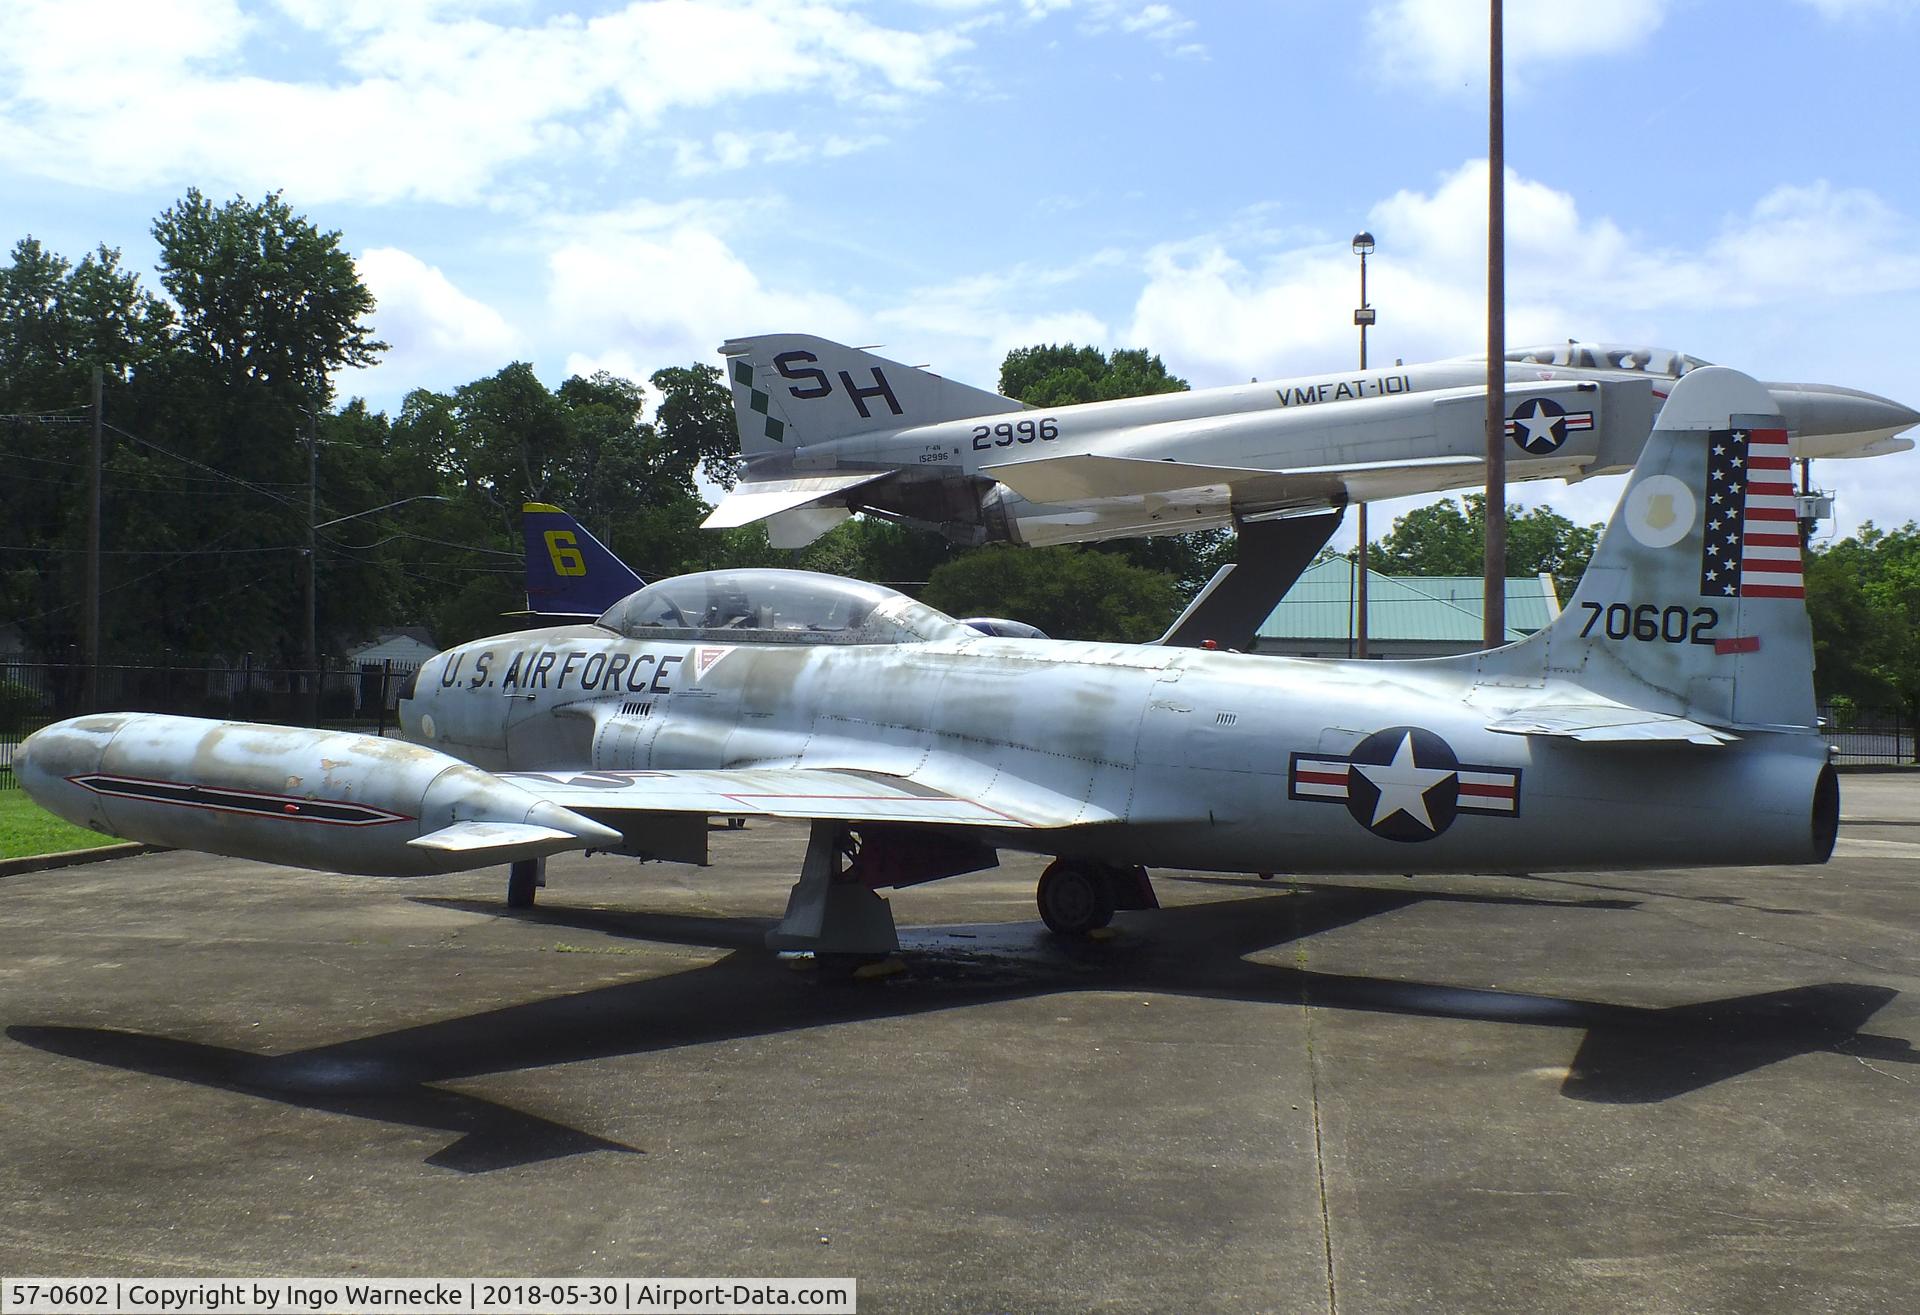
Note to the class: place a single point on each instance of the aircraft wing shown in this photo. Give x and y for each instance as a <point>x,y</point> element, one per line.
<point>791,792</point>
<point>749,502</point>
<point>1084,476</point>
<point>1608,723</point>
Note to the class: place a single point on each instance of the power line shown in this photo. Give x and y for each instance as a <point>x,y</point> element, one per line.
<point>201,465</point>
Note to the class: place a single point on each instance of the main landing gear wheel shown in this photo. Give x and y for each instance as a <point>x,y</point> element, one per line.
<point>1075,898</point>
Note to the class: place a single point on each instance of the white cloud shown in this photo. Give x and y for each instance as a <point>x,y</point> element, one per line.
<point>1159,23</point>
<point>421,312</point>
<point>1811,281</point>
<point>1227,312</point>
<point>416,103</point>
<point>725,151</point>
<point>437,335</point>
<point>670,295</point>
<point>1444,42</point>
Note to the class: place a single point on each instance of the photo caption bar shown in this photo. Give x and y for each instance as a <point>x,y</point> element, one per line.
<point>430,1296</point>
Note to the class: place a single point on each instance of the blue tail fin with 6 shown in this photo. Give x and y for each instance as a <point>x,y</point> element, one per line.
<point>570,574</point>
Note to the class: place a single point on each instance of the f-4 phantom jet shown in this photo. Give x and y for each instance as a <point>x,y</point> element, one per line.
<point>1665,719</point>
<point>828,430</point>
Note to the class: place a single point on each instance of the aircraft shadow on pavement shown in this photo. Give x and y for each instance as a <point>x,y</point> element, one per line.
<point>1628,1054</point>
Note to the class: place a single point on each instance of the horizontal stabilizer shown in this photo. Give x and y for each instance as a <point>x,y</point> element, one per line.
<point>1083,476</point>
<point>746,503</point>
<point>1608,723</point>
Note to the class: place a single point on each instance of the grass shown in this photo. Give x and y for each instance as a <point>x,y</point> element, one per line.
<point>25,829</point>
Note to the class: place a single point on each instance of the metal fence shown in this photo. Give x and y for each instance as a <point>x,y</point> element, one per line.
<point>1868,735</point>
<point>361,697</point>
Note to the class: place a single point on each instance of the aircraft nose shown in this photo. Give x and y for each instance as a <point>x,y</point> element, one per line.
<point>46,758</point>
<point>1830,421</point>
<point>24,769</point>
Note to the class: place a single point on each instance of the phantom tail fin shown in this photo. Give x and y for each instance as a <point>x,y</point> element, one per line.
<point>1693,605</point>
<point>570,574</point>
<point>791,389</point>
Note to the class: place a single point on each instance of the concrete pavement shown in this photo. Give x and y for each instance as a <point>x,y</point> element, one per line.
<point>1674,1091</point>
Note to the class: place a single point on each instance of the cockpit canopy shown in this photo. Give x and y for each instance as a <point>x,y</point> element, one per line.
<point>767,606</point>
<point>1660,362</point>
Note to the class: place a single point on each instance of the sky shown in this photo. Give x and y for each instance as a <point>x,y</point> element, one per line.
<point>624,185</point>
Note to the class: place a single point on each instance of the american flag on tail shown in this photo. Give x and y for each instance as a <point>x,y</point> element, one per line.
<point>1752,543</point>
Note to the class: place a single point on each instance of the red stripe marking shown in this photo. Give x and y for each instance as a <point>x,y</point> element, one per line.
<point>1490,791</point>
<point>1320,778</point>
<point>1771,566</point>
<point>1771,514</point>
<point>387,815</point>
<point>1762,539</point>
<point>1769,463</point>
<point>1772,591</point>
<point>1759,490</point>
<point>1744,644</point>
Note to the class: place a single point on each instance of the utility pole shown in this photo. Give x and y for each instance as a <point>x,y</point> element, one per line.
<point>312,681</point>
<point>1494,609</point>
<point>1362,247</point>
<point>92,686</point>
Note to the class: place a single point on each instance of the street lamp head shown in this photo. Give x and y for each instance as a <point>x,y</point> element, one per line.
<point>1363,244</point>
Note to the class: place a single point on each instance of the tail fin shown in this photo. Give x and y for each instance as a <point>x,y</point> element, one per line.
<point>1693,605</point>
<point>570,574</point>
<point>791,389</point>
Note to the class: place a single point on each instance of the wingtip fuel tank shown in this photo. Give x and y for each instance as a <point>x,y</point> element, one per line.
<point>331,800</point>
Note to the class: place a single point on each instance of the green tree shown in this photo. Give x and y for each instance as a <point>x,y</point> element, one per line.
<point>1071,593</point>
<point>264,295</point>
<point>696,421</point>
<point>1055,375</point>
<point>1863,596</point>
<point>1446,539</point>
<point>58,321</point>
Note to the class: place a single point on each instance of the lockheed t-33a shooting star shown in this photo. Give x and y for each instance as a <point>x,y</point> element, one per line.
<point>1664,719</point>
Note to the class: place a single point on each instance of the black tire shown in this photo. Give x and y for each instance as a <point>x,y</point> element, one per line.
<point>1074,898</point>
<point>522,878</point>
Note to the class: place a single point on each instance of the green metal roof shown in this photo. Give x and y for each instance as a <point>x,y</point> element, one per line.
<point>1440,608</point>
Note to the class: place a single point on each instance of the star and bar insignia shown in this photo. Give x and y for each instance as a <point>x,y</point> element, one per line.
<point>1540,425</point>
<point>1404,783</point>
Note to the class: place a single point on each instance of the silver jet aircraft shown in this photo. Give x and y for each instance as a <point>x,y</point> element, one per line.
<point>827,430</point>
<point>1665,719</point>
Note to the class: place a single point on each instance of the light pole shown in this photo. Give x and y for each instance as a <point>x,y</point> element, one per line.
<point>1362,247</point>
<point>1494,565</point>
